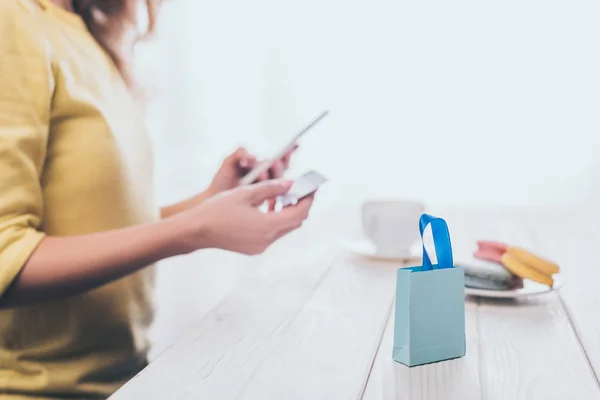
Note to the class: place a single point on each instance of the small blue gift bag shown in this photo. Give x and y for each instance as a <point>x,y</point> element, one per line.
<point>430,304</point>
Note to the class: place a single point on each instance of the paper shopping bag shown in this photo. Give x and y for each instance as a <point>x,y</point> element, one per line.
<point>430,304</point>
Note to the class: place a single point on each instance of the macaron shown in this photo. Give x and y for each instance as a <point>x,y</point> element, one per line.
<point>479,283</point>
<point>483,274</point>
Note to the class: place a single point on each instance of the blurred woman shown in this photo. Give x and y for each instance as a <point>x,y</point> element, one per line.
<point>79,228</point>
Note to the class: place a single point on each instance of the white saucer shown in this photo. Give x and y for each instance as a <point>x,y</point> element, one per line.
<point>529,288</point>
<point>364,248</point>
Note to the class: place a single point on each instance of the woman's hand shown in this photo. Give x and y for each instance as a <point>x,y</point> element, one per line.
<point>238,164</point>
<point>69,265</point>
<point>232,170</point>
<point>232,221</point>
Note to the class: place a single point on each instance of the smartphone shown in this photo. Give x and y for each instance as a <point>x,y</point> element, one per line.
<point>303,186</point>
<point>264,166</point>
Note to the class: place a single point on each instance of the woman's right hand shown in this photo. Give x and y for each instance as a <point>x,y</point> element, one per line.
<point>68,265</point>
<point>232,221</point>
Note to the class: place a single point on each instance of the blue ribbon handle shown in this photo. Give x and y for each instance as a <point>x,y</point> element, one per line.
<point>441,241</point>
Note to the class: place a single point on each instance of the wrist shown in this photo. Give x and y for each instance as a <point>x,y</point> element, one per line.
<point>182,206</point>
<point>208,193</point>
<point>197,199</point>
<point>185,235</point>
<point>165,238</point>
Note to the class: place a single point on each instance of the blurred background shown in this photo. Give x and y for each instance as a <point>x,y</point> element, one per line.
<point>460,102</point>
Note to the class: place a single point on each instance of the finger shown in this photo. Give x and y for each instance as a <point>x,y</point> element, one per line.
<point>285,160</point>
<point>239,153</point>
<point>277,170</point>
<point>288,157</point>
<point>247,163</point>
<point>302,209</point>
<point>264,176</point>
<point>260,192</point>
<point>294,215</point>
<point>303,206</point>
<point>242,158</point>
<point>300,216</point>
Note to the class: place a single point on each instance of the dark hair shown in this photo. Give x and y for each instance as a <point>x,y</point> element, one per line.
<point>111,22</point>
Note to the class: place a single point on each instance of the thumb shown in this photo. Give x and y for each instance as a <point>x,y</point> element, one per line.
<point>239,156</point>
<point>267,190</point>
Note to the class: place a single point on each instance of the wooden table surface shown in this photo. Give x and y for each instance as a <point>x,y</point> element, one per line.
<point>310,321</point>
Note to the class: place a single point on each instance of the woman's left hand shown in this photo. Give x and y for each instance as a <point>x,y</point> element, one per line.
<point>238,164</point>
<point>233,168</point>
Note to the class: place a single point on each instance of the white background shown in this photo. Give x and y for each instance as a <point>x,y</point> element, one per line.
<point>452,102</point>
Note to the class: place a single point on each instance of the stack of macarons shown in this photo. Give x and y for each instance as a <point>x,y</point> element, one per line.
<point>497,266</point>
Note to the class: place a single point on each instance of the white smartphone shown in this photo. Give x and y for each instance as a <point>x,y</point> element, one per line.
<point>306,184</point>
<point>264,166</point>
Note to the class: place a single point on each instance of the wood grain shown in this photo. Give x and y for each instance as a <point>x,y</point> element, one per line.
<point>454,379</point>
<point>232,333</point>
<point>189,287</point>
<point>328,348</point>
<point>528,348</point>
<point>305,323</point>
<point>572,239</point>
<point>312,322</point>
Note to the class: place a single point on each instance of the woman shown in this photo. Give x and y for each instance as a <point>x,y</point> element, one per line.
<point>78,226</point>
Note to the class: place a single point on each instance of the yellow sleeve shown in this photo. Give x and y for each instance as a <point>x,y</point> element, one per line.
<point>25,99</point>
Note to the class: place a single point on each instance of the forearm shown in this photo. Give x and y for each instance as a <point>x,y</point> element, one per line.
<point>171,210</point>
<point>65,266</point>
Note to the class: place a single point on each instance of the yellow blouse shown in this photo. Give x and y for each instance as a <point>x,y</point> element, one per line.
<point>74,159</point>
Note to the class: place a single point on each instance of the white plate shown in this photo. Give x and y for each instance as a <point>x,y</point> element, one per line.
<point>529,288</point>
<point>364,248</point>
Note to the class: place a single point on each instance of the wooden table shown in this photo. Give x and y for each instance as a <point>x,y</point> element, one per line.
<point>310,321</point>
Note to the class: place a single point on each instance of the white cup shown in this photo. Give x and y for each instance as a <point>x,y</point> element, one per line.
<point>392,226</point>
